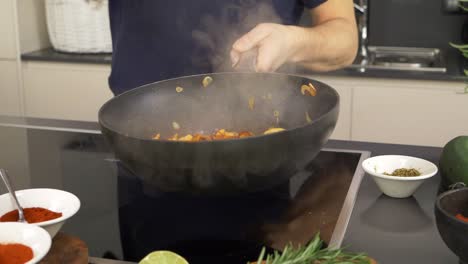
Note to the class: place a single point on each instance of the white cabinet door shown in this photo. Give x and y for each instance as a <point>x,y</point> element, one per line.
<point>7,30</point>
<point>343,126</point>
<point>65,91</point>
<point>10,102</point>
<point>427,114</point>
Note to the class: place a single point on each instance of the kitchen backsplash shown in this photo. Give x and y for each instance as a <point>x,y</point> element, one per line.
<point>413,23</point>
<point>410,23</point>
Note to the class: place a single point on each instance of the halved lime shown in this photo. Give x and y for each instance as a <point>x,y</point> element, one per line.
<point>163,257</point>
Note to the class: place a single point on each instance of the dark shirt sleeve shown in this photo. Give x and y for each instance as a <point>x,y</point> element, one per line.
<point>313,3</point>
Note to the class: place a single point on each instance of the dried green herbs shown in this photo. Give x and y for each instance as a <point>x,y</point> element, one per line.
<point>403,172</point>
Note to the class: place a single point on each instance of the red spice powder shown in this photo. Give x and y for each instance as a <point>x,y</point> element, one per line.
<point>32,215</point>
<point>15,253</point>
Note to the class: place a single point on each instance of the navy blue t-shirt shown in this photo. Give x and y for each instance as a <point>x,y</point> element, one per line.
<point>160,39</point>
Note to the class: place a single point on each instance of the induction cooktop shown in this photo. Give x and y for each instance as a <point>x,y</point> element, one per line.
<point>123,219</point>
<point>319,198</point>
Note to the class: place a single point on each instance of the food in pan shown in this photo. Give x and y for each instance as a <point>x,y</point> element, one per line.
<point>309,89</point>
<point>251,103</point>
<point>224,134</point>
<point>174,137</point>
<point>273,130</point>
<point>276,115</point>
<point>175,126</point>
<point>219,134</point>
<point>308,119</point>
<point>207,81</point>
<point>462,218</point>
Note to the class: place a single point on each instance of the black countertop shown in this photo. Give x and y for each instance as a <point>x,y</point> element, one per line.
<point>392,230</point>
<point>453,62</point>
<point>51,55</point>
<point>71,156</point>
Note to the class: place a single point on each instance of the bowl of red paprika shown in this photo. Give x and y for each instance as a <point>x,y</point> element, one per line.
<point>23,243</point>
<point>47,208</point>
<point>451,211</point>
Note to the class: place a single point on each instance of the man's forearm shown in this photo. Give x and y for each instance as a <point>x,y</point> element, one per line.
<point>328,46</point>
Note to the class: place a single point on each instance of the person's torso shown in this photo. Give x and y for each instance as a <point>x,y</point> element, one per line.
<point>159,39</point>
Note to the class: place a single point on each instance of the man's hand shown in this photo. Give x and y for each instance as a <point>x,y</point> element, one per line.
<point>330,43</point>
<point>274,44</point>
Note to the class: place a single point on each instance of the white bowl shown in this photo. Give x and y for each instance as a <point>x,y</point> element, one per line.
<point>29,235</point>
<point>55,200</point>
<point>395,186</point>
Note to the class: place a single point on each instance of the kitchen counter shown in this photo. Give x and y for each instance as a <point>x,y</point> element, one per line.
<point>453,62</point>
<point>58,154</point>
<point>51,55</point>
<point>392,230</point>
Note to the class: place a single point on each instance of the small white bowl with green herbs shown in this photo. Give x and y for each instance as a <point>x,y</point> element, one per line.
<point>399,176</point>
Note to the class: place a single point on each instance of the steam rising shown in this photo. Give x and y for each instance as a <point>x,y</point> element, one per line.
<point>217,35</point>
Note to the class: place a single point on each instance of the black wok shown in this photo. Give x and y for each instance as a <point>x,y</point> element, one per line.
<point>130,120</point>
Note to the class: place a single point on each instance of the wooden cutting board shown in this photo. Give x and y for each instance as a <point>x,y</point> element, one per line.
<point>66,249</point>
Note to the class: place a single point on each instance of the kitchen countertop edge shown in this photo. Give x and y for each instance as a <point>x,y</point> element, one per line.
<point>453,73</point>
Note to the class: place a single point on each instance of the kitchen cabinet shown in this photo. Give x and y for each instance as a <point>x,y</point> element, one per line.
<point>408,112</point>
<point>10,98</point>
<point>7,30</point>
<point>343,126</point>
<point>64,90</point>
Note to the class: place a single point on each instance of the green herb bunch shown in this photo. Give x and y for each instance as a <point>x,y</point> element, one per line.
<point>312,253</point>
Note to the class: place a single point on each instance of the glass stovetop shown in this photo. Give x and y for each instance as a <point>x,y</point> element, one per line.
<point>122,218</point>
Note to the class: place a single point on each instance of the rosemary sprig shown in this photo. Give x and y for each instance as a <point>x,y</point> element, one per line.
<point>312,254</point>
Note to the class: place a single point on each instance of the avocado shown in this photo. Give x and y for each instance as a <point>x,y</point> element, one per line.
<point>453,162</point>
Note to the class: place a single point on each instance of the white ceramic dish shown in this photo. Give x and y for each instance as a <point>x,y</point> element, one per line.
<point>395,186</point>
<point>29,235</point>
<point>55,200</point>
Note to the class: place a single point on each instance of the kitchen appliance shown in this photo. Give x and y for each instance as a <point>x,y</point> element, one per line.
<point>130,120</point>
<point>132,218</point>
<point>319,198</point>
